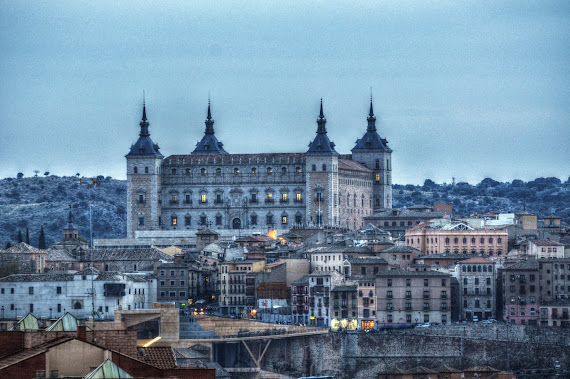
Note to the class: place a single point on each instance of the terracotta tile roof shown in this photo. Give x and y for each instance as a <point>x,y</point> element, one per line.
<point>529,264</point>
<point>23,248</point>
<point>159,356</point>
<point>367,261</point>
<point>400,272</point>
<point>29,353</point>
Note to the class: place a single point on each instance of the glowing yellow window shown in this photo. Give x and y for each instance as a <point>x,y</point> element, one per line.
<point>174,198</point>
<point>269,196</point>
<point>236,170</point>
<point>284,219</point>
<point>284,196</point>
<point>203,198</point>
<point>253,171</point>
<point>377,178</point>
<point>298,196</point>
<point>174,221</point>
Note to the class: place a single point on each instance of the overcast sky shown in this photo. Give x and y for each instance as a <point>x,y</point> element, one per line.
<point>461,89</point>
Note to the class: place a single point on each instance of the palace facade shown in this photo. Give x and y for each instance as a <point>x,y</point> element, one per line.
<point>211,188</point>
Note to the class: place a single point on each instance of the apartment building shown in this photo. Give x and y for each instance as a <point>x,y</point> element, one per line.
<point>411,297</point>
<point>477,288</point>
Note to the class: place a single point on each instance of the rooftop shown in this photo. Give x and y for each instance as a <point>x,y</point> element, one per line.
<point>400,272</point>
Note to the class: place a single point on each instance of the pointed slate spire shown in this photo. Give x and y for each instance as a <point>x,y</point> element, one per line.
<point>209,121</point>
<point>371,119</point>
<point>144,145</point>
<point>144,123</point>
<point>321,121</point>
<point>321,144</point>
<point>209,144</point>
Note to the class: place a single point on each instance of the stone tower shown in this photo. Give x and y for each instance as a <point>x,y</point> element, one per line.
<point>143,182</point>
<point>322,178</point>
<point>373,151</point>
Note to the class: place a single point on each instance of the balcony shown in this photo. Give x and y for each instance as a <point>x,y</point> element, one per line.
<point>173,202</point>
<point>253,201</point>
<point>189,202</point>
<point>269,201</point>
<point>218,201</point>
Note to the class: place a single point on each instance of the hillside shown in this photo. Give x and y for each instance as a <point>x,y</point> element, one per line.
<point>36,201</point>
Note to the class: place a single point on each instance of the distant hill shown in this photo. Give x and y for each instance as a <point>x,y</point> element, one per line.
<point>542,196</point>
<point>44,200</point>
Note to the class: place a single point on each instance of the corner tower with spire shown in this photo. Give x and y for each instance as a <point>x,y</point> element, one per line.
<point>322,178</point>
<point>143,181</point>
<point>373,151</point>
<point>209,143</point>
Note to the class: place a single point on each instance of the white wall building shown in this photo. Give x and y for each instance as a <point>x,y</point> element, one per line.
<point>51,295</point>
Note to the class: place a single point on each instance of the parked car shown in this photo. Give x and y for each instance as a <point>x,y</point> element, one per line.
<point>426,325</point>
<point>475,319</point>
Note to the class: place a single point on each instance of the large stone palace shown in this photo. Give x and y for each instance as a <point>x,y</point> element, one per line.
<point>212,188</point>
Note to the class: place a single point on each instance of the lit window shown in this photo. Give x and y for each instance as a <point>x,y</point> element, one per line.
<point>203,171</point>
<point>298,169</point>
<point>377,178</point>
<point>203,198</point>
<point>284,219</point>
<point>174,198</point>
<point>269,196</point>
<point>269,170</point>
<point>298,196</point>
<point>236,170</point>
<point>253,171</point>
<point>284,197</point>
<point>218,170</point>
<point>174,221</point>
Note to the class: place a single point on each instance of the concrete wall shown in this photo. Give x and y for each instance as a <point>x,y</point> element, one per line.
<point>85,356</point>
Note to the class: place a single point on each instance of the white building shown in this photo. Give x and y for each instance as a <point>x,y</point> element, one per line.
<point>320,285</point>
<point>51,295</point>
<point>544,249</point>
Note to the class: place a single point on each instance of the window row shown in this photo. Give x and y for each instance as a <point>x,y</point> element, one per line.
<point>235,171</point>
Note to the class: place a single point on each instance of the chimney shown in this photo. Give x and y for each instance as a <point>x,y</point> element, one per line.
<point>82,332</point>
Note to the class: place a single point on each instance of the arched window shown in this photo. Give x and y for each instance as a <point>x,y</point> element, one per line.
<point>135,170</point>
<point>324,167</point>
<point>447,241</point>
<point>490,240</point>
<point>464,269</point>
<point>236,170</point>
<point>314,167</point>
<point>203,171</point>
<point>499,252</point>
<point>269,170</point>
<point>146,170</point>
<point>472,240</point>
<point>484,268</point>
<point>456,240</point>
<point>218,170</point>
<point>499,240</point>
<point>479,268</point>
<point>283,170</point>
<point>77,305</point>
<point>187,171</point>
<point>490,268</point>
<point>464,240</point>
<point>482,240</point>
<point>469,268</point>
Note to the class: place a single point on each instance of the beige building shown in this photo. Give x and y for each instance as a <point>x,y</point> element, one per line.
<point>457,238</point>
<point>412,297</point>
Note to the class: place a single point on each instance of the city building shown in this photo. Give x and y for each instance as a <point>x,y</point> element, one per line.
<point>543,249</point>
<point>361,267</point>
<point>212,188</point>
<point>399,256</point>
<point>300,300</point>
<point>477,288</point>
<point>554,277</point>
<point>320,285</point>
<point>233,294</point>
<point>52,295</point>
<point>330,257</point>
<point>344,304</point>
<point>457,237</point>
<point>367,302</point>
<point>520,290</point>
<point>411,297</point>
<point>397,220</point>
